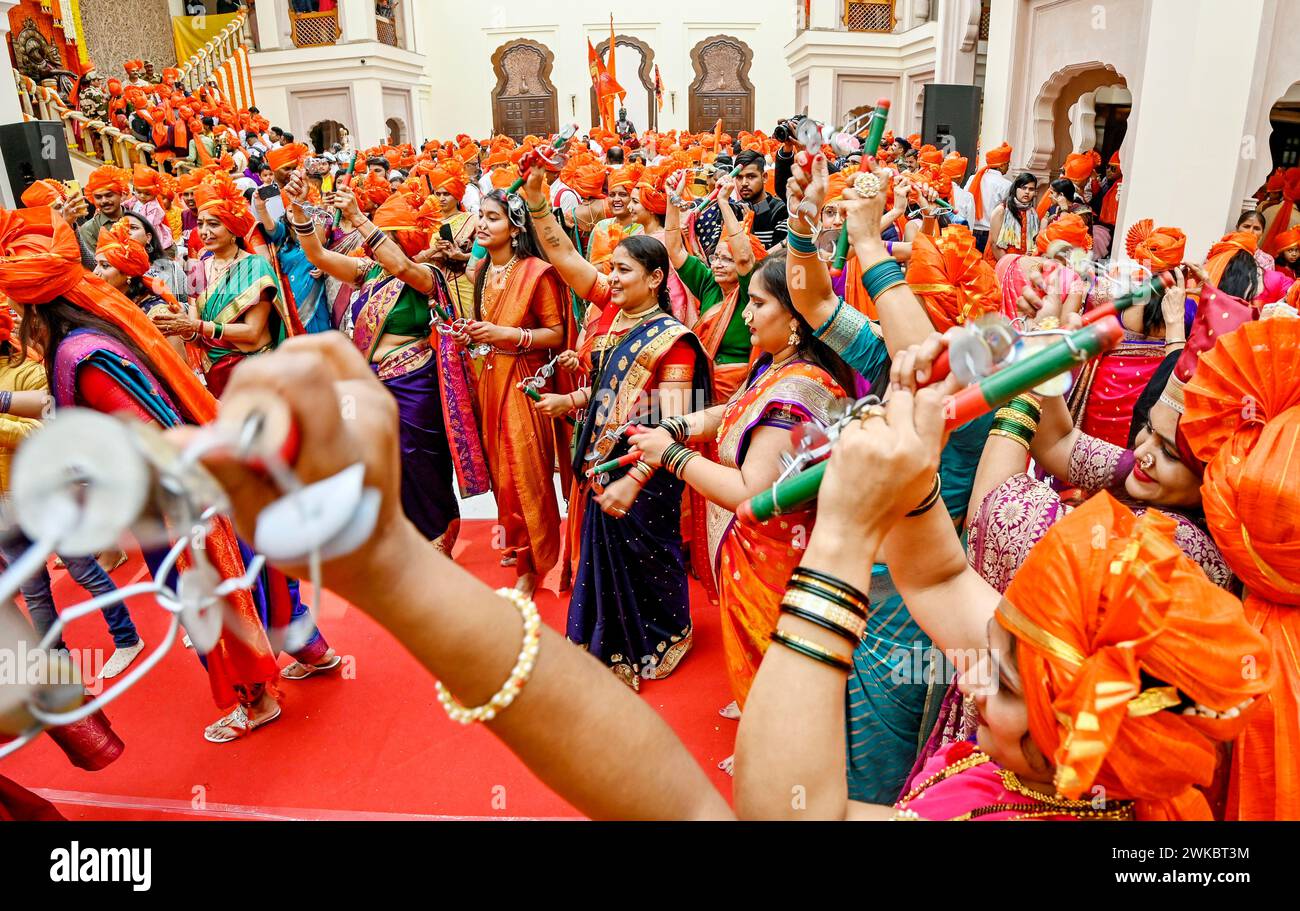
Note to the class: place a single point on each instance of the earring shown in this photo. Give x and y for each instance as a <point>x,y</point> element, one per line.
<point>793,340</point>
<point>514,242</point>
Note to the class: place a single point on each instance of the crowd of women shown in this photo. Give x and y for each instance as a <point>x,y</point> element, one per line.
<point>1105,599</point>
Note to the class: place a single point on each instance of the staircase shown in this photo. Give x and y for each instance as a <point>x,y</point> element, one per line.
<point>92,143</point>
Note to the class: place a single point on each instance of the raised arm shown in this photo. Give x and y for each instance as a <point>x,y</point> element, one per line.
<point>576,272</point>
<point>337,266</point>
<point>737,237</point>
<point>389,253</point>
<point>809,280</point>
<point>673,226</point>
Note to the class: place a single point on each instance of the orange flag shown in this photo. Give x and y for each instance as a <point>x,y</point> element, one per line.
<point>605,85</point>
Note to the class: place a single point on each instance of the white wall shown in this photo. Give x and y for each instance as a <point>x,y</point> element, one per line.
<point>462,38</point>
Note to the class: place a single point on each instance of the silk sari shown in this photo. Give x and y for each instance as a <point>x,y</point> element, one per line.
<point>240,288</point>
<point>430,382</point>
<point>631,600</point>
<point>520,442</point>
<point>752,563</point>
<point>243,661</point>
<point>1108,387</point>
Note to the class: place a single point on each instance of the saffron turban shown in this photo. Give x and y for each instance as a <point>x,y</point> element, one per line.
<point>146,179</point>
<point>1070,228</point>
<point>219,196</point>
<point>587,179</point>
<point>40,260</point>
<point>399,214</point>
<point>993,159</point>
<point>625,177</point>
<point>1118,632</point>
<point>998,156</point>
<point>953,167</point>
<point>111,178</point>
<point>1251,496</point>
<point>44,193</point>
<point>286,156</point>
<point>650,187</point>
<point>930,156</point>
<point>914,140</point>
<point>1163,248</point>
<point>449,176</point>
<point>503,177</point>
<point>190,181</point>
<point>124,253</point>
<point>1286,240</point>
<point>952,278</point>
<point>1223,251</point>
<point>372,190</point>
<point>836,184</point>
<point>1078,166</point>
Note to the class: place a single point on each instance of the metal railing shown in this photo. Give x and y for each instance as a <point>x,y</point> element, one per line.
<point>314,29</point>
<point>878,16</point>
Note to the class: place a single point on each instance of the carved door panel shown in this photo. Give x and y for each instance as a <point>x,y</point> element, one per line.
<point>524,100</point>
<point>722,87</point>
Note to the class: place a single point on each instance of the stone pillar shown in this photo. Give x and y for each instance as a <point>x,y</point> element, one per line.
<point>368,99</point>
<point>358,21</point>
<point>270,28</point>
<point>825,14</point>
<point>1004,20</point>
<point>821,93</point>
<point>1178,163</point>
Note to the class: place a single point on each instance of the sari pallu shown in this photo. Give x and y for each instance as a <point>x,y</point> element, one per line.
<point>242,660</point>
<point>239,289</point>
<point>631,601</point>
<point>519,440</point>
<point>432,389</point>
<point>1108,388</point>
<point>752,563</point>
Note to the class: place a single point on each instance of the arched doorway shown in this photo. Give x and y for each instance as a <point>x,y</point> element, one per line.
<point>324,134</point>
<point>1099,120</point>
<point>524,100</point>
<point>632,55</point>
<point>1051,140</point>
<point>396,131</point>
<point>722,87</point>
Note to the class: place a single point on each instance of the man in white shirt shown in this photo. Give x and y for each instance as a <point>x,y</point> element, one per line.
<point>963,203</point>
<point>989,187</point>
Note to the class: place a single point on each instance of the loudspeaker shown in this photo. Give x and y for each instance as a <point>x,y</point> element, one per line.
<point>951,121</point>
<point>35,150</point>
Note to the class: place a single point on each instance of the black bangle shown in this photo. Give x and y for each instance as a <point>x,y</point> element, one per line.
<point>928,503</point>
<point>817,654</point>
<point>832,596</point>
<point>828,579</point>
<point>6,401</point>
<point>825,624</point>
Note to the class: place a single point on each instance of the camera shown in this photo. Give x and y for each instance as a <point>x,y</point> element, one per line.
<point>786,129</point>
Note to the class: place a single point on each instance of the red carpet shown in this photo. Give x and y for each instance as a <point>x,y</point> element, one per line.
<point>372,743</point>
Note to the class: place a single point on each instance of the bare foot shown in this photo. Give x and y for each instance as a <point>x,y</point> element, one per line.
<point>527,584</point>
<point>728,765</point>
<point>730,710</point>
<point>243,720</point>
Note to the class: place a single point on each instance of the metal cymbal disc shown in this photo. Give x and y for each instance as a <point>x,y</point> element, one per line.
<point>82,463</point>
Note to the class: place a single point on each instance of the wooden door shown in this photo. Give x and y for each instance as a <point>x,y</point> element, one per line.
<point>722,87</point>
<point>524,100</point>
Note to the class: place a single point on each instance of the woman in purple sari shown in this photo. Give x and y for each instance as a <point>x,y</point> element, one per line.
<point>389,320</point>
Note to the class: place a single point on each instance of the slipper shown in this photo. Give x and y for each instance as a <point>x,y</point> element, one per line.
<point>311,668</point>
<point>238,722</point>
<point>509,561</point>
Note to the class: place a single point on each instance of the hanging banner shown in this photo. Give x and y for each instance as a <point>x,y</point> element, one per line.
<point>189,33</point>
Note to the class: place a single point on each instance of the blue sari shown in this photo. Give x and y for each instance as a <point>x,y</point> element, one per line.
<point>631,600</point>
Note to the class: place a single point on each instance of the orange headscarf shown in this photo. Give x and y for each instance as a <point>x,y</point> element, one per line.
<point>1068,227</point>
<point>44,193</point>
<point>953,167</point>
<point>952,278</point>
<point>219,195</point>
<point>109,177</point>
<point>123,252</point>
<point>1285,240</point>
<point>650,188</point>
<point>41,260</point>
<point>994,159</point>
<point>836,184</point>
<point>399,214</point>
<point>284,156</point>
<point>1251,495</point>
<point>1163,248</point>
<point>1228,246</point>
<point>1117,633</point>
<point>931,156</point>
<point>587,178</point>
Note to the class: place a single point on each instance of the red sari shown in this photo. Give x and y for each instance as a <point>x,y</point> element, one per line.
<point>519,440</point>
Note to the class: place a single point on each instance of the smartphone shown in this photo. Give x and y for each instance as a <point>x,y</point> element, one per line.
<point>74,187</point>
<point>270,194</point>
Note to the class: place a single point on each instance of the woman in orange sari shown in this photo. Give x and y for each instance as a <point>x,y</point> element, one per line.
<point>519,305</point>
<point>794,381</point>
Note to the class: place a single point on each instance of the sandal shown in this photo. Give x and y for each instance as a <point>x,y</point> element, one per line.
<point>237,722</point>
<point>509,560</point>
<point>301,671</point>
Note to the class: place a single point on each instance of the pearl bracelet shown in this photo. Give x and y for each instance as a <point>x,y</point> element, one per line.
<point>519,675</point>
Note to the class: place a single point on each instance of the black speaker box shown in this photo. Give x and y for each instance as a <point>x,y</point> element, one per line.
<point>34,150</point>
<point>951,121</point>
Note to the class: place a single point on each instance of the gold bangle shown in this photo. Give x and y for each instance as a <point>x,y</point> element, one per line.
<point>849,622</point>
<point>1016,417</point>
<point>996,432</point>
<point>811,649</point>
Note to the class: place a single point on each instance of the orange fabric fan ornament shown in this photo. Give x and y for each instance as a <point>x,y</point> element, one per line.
<point>1243,420</point>
<point>1162,248</point>
<point>952,278</point>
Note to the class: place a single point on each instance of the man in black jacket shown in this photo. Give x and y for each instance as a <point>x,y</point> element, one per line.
<point>770,215</point>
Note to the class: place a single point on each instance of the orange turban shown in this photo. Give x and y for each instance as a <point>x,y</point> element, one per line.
<point>372,190</point>
<point>400,216</point>
<point>1228,246</point>
<point>1251,496</point>
<point>44,193</point>
<point>930,156</point>
<point>1070,228</point>
<point>1163,248</point>
<point>953,168</point>
<point>219,195</point>
<point>450,176</point>
<point>124,253</point>
<point>285,156</point>
<point>586,178</point>
<point>952,278</point>
<point>1118,632</point>
<point>502,178</point>
<point>41,260</point>
<point>190,181</point>
<point>914,140</point>
<point>109,177</point>
<point>651,187</point>
<point>998,156</point>
<point>625,177</point>
<point>497,159</point>
<point>1286,239</point>
<point>1078,166</point>
<point>836,184</point>
<point>146,179</point>
<point>995,158</point>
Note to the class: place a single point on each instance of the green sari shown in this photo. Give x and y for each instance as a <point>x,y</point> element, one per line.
<point>238,290</point>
